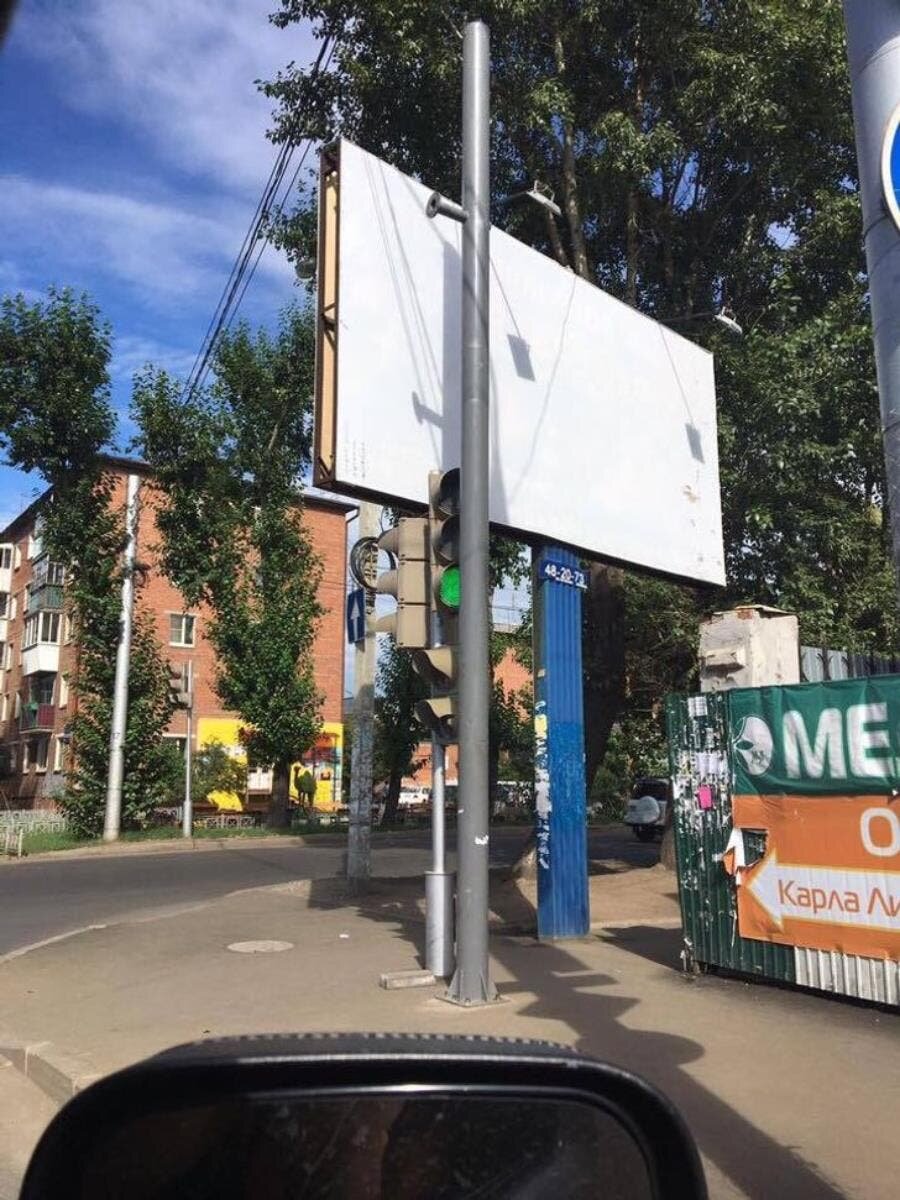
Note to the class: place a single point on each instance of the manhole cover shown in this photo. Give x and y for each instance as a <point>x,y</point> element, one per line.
<point>265,946</point>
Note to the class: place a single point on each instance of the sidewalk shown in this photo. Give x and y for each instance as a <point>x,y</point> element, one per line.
<point>788,1094</point>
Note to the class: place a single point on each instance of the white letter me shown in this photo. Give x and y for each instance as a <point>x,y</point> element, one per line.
<point>829,740</point>
<point>861,740</point>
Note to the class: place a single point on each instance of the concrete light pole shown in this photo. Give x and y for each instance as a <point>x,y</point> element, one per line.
<point>359,834</point>
<point>113,817</point>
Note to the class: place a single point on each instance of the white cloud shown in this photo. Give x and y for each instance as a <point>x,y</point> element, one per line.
<point>131,352</point>
<point>181,72</point>
<point>162,251</point>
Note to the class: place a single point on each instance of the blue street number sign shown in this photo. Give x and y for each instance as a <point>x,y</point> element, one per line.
<point>356,615</point>
<point>890,166</point>
<point>561,572</point>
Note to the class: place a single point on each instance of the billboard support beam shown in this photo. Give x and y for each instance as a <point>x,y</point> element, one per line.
<point>471,983</point>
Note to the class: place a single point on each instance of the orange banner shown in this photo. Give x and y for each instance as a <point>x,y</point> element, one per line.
<point>830,875</point>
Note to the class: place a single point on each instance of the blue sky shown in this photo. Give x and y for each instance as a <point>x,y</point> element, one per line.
<point>132,155</point>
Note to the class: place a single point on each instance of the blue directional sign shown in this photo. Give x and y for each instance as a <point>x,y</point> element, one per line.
<point>356,615</point>
<point>890,166</point>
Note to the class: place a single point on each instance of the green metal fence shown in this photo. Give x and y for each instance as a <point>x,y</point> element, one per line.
<point>701,768</point>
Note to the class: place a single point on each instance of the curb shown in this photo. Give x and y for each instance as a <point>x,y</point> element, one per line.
<point>201,845</point>
<point>58,1075</point>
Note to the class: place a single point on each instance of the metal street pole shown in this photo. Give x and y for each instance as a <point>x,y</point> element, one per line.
<point>359,834</point>
<point>873,51</point>
<point>439,958</point>
<point>471,983</point>
<point>113,817</point>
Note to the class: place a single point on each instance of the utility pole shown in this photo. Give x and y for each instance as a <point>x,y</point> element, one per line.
<point>359,834</point>
<point>113,818</point>
<point>187,816</point>
<point>873,51</point>
<point>471,984</point>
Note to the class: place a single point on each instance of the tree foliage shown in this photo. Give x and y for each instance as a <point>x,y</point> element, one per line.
<point>398,733</point>
<point>56,418</point>
<point>228,461</point>
<point>702,153</point>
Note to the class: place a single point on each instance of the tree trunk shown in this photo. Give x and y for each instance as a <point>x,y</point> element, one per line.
<point>392,798</point>
<point>279,816</point>
<point>604,667</point>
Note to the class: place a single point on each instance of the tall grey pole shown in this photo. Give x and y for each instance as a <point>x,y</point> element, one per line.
<point>113,818</point>
<point>873,51</point>
<point>359,834</point>
<point>471,984</point>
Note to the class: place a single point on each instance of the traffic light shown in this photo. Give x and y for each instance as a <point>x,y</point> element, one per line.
<point>408,581</point>
<point>180,681</point>
<point>443,534</point>
<point>438,667</point>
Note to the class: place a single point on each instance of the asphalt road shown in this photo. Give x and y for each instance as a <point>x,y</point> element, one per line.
<point>50,897</point>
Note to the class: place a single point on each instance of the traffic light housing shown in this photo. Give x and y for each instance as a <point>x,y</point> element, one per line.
<point>181,684</point>
<point>408,581</point>
<point>438,667</point>
<point>443,537</point>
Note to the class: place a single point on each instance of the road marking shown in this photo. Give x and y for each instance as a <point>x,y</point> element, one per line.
<point>59,937</point>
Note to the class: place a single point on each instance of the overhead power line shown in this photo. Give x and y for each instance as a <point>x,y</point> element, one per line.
<point>268,209</point>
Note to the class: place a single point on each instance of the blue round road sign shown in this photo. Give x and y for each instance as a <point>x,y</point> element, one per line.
<point>890,166</point>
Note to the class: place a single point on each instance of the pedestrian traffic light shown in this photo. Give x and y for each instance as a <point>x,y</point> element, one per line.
<point>408,581</point>
<point>443,532</point>
<point>438,667</point>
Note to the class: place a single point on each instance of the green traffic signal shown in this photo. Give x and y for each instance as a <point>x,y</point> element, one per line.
<point>449,587</point>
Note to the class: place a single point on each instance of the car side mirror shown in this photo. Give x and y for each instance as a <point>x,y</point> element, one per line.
<point>369,1116</point>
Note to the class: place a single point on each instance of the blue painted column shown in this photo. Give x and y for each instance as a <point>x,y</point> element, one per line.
<point>563,899</point>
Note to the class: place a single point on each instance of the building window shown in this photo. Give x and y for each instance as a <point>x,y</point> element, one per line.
<point>42,689</point>
<point>17,557</point>
<point>181,629</point>
<point>63,691</point>
<point>13,757</point>
<point>59,755</point>
<point>67,625</point>
<point>17,706</point>
<point>4,706</point>
<point>13,607</point>
<point>41,751</point>
<point>41,627</point>
<point>9,656</point>
<point>4,603</point>
<point>5,557</point>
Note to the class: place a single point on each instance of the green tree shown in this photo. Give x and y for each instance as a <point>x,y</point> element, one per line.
<point>228,461</point>
<point>687,144</point>
<point>398,733</point>
<point>56,418</point>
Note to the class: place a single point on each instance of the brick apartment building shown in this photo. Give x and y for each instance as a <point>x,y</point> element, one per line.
<point>38,652</point>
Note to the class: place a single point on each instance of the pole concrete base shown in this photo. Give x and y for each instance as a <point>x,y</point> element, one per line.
<point>439,942</point>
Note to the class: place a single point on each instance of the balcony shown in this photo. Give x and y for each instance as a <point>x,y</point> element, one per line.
<point>42,657</point>
<point>48,596</point>
<point>36,718</point>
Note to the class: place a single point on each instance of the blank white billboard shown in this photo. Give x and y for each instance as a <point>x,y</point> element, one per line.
<point>603,422</point>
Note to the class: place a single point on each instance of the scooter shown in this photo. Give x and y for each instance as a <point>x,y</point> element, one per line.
<point>647,810</point>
